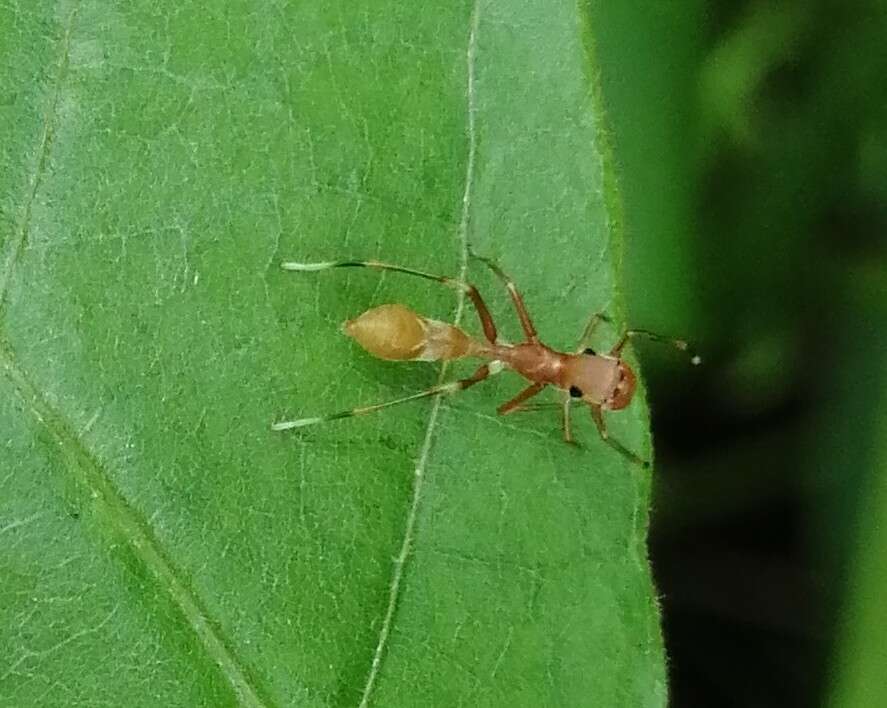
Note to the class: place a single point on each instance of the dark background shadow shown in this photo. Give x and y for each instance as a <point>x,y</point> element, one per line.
<point>752,140</point>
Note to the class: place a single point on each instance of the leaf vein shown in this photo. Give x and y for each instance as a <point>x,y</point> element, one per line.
<point>410,527</point>
<point>126,521</point>
<point>17,242</point>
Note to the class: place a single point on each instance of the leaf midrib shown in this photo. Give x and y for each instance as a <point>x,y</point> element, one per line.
<point>425,452</point>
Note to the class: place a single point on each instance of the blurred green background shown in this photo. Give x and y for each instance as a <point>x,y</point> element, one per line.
<point>752,141</point>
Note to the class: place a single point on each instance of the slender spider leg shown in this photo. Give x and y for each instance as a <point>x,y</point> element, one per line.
<point>593,322</point>
<point>598,417</point>
<point>565,417</point>
<point>515,403</point>
<point>486,319</point>
<point>524,316</point>
<point>616,351</point>
<point>534,407</point>
<point>442,389</point>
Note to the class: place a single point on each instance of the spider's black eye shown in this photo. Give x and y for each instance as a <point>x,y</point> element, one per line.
<point>591,351</point>
<point>575,392</point>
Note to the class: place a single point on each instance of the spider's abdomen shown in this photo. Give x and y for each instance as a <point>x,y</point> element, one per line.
<point>396,333</point>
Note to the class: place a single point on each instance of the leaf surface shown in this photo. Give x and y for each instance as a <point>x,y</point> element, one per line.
<point>160,544</point>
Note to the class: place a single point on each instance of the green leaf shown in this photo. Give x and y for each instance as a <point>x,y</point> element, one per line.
<point>160,544</point>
